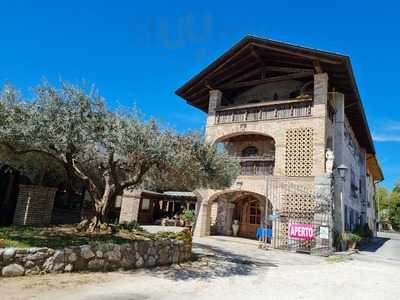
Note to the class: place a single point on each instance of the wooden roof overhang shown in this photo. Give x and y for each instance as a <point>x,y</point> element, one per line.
<point>169,196</point>
<point>254,61</point>
<point>374,168</point>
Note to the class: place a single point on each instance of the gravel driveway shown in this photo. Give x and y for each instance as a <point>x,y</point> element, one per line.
<point>230,268</point>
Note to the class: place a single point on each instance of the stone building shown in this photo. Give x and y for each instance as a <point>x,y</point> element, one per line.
<point>291,115</point>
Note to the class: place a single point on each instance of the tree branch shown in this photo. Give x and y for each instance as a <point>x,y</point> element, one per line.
<point>38,151</point>
<point>113,172</point>
<point>130,182</point>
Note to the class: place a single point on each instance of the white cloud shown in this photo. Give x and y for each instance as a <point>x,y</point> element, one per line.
<point>388,131</point>
<point>386,137</point>
<point>393,126</point>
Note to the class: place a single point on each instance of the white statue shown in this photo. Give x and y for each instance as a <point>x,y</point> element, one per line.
<point>329,161</point>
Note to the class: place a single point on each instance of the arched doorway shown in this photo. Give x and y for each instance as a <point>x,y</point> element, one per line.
<point>249,208</point>
<point>248,212</point>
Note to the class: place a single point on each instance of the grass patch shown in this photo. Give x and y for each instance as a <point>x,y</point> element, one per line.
<point>64,236</point>
<point>338,258</point>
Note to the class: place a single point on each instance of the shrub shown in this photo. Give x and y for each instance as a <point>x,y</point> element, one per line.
<point>132,226</point>
<point>337,240</point>
<point>364,231</point>
<point>188,215</point>
<point>184,235</point>
<point>351,237</point>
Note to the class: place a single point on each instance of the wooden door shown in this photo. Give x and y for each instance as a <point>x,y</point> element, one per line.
<point>250,219</point>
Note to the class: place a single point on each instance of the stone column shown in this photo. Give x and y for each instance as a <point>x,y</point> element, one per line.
<point>320,115</point>
<point>213,104</point>
<point>130,207</point>
<point>323,217</point>
<point>338,150</point>
<point>221,215</point>
<point>202,226</point>
<point>230,207</point>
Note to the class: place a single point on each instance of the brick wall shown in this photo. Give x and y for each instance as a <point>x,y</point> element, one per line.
<point>129,207</point>
<point>34,205</point>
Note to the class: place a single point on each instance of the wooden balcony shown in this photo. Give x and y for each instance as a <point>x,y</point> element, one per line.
<point>265,111</point>
<point>256,165</point>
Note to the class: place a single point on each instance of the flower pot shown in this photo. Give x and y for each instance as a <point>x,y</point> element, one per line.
<point>351,245</point>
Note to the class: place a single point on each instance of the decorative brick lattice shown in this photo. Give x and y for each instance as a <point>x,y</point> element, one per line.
<point>297,208</point>
<point>299,203</point>
<point>299,152</point>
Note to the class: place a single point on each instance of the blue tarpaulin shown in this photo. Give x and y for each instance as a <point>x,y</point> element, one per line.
<point>263,232</point>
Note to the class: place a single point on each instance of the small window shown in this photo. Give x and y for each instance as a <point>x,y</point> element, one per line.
<point>249,151</point>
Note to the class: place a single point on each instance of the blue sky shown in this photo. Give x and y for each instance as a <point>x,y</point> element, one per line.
<point>140,53</point>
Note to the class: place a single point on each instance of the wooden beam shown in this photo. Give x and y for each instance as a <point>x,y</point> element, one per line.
<point>187,92</point>
<point>208,84</point>
<point>256,55</point>
<point>262,70</point>
<point>286,69</point>
<point>317,67</point>
<point>240,70</point>
<point>297,53</point>
<point>234,85</point>
<point>249,74</point>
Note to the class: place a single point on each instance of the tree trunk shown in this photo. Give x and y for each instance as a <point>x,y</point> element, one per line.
<point>102,207</point>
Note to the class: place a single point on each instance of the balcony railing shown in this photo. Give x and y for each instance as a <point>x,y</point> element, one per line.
<point>265,111</point>
<point>256,165</point>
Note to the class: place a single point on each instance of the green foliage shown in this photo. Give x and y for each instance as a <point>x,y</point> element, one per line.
<point>108,151</point>
<point>338,258</point>
<point>132,226</point>
<point>188,215</point>
<point>60,237</point>
<point>389,206</point>
<point>27,237</point>
<point>337,240</point>
<point>363,231</point>
<point>351,237</point>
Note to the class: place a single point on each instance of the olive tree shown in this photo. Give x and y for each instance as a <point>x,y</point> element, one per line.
<point>107,151</point>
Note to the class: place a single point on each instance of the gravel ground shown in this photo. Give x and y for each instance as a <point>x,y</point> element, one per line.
<point>229,268</point>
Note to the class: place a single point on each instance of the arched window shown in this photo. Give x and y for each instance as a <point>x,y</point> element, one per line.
<point>249,151</point>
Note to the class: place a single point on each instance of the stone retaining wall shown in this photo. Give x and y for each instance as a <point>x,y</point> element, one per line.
<point>101,257</point>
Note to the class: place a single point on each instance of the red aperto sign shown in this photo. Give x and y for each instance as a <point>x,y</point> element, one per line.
<point>301,232</point>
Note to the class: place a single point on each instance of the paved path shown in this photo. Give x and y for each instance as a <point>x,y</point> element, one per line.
<point>225,268</point>
<point>386,246</point>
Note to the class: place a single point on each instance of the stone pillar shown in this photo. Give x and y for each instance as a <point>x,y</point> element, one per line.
<point>320,115</point>
<point>34,205</point>
<point>320,88</point>
<point>222,217</point>
<point>130,207</point>
<point>202,226</point>
<point>338,150</point>
<point>363,185</point>
<point>323,192</point>
<point>213,104</point>
<point>230,207</point>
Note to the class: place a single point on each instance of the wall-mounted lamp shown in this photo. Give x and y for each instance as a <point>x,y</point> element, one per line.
<point>342,169</point>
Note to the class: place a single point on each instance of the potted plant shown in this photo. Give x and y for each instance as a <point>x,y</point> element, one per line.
<point>188,217</point>
<point>351,239</point>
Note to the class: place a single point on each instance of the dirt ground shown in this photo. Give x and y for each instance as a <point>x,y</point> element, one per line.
<point>228,268</point>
